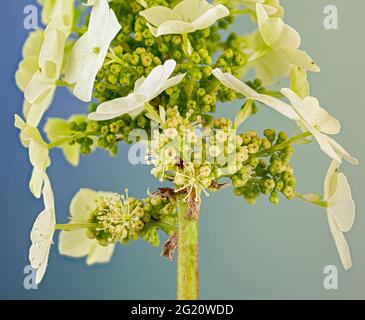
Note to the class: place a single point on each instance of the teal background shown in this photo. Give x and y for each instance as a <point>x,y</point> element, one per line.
<point>260,252</point>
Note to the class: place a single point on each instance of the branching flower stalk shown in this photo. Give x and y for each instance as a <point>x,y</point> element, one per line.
<point>153,73</point>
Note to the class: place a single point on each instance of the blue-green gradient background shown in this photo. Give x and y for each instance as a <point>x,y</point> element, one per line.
<point>245,252</point>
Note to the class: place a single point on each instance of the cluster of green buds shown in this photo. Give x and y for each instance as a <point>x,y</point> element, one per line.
<point>106,135</point>
<point>267,170</point>
<point>136,52</point>
<point>195,157</point>
<point>119,218</point>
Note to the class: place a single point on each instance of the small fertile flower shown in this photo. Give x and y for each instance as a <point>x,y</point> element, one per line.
<point>340,210</point>
<point>278,48</point>
<point>320,124</point>
<point>192,180</point>
<point>42,233</point>
<point>76,243</point>
<point>237,85</point>
<point>38,154</point>
<point>145,90</point>
<point>186,17</point>
<point>88,54</point>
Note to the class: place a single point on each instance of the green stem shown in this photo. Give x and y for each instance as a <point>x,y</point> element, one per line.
<point>186,45</point>
<point>283,144</point>
<point>241,12</point>
<point>62,83</point>
<point>320,203</point>
<point>65,140</point>
<point>75,226</point>
<point>187,261</point>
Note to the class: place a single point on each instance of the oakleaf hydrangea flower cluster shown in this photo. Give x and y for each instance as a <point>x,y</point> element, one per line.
<point>153,73</point>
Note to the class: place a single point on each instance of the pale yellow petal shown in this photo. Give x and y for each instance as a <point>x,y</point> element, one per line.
<point>330,183</point>
<point>75,243</point>
<point>341,243</point>
<point>189,10</point>
<point>39,88</point>
<point>33,44</point>
<point>298,81</point>
<point>82,205</point>
<point>341,204</point>
<point>158,14</point>
<point>36,111</point>
<point>298,58</point>
<point>100,254</point>
<point>175,27</point>
<point>211,16</point>
<point>27,68</point>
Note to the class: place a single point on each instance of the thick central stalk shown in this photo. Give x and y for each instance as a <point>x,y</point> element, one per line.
<point>187,262</point>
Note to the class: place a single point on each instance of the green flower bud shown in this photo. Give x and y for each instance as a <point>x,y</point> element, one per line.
<point>206,108</point>
<point>191,104</point>
<point>274,199</point>
<point>279,185</point>
<point>146,60</point>
<point>207,99</point>
<point>283,136</point>
<point>254,162</point>
<point>176,39</point>
<point>147,34</point>
<point>269,184</point>
<point>157,61</point>
<point>114,127</point>
<point>288,192</point>
<point>208,70</point>
<point>270,134</point>
<point>113,79</point>
<point>149,42</point>
<point>266,143</point>
<point>238,192</point>
<point>156,200</point>
<point>115,68</point>
<point>196,75</point>
<point>228,54</point>
<point>195,58</point>
<point>203,53</point>
<point>125,81</point>
<point>138,36</point>
<point>104,130</point>
<point>240,60</point>
<point>208,60</point>
<point>237,183</point>
<point>85,150</point>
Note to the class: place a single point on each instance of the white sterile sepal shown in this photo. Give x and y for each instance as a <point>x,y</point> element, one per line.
<point>340,210</point>
<point>237,85</point>
<point>42,233</point>
<point>38,154</point>
<point>320,124</point>
<point>145,90</point>
<point>279,50</point>
<point>187,16</point>
<point>88,54</point>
